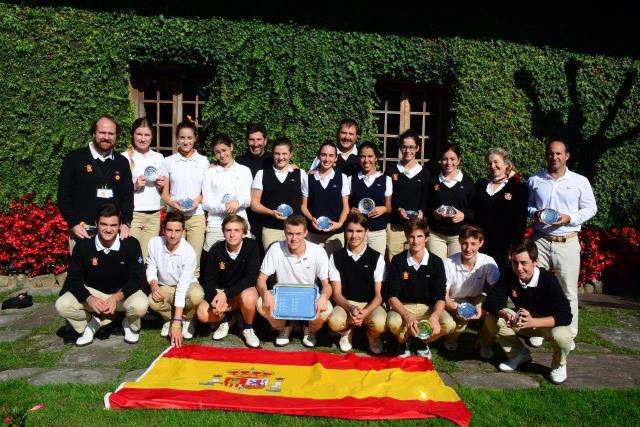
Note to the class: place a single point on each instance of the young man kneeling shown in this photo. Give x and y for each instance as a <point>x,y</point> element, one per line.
<point>232,268</point>
<point>356,274</point>
<point>542,309</point>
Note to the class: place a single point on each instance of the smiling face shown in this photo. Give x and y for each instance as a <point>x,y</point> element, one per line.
<point>327,157</point>
<point>224,154</point>
<point>469,248</point>
<point>496,166</point>
<point>233,234</point>
<point>295,235</point>
<point>347,137</point>
<point>142,138</point>
<point>449,162</point>
<point>417,240</point>
<point>256,143</point>
<point>104,137</point>
<point>281,156</point>
<point>408,150</point>
<point>108,229</point>
<point>523,266</point>
<point>557,157</point>
<point>356,236</point>
<point>368,160</point>
<point>186,141</point>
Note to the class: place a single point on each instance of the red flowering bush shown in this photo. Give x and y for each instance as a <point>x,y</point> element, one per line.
<point>33,239</point>
<point>609,255</point>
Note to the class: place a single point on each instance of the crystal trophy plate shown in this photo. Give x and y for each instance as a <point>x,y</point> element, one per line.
<point>285,210</point>
<point>445,210</point>
<point>412,214</point>
<point>366,206</point>
<point>424,329</point>
<point>227,198</point>
<point>466,310</point>
<point>324,223</point>
<point>295,302</point>
<point>549,216</point>
<point>151,173</point>
<point>185,203</point>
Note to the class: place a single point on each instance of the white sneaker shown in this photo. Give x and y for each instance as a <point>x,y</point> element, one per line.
<point>375,344</point>
<point>250,338</point>
<point>130,336</point>
<point>512,364</point>
<point>222,331</point>
<point>573,346</point>
<point>308,337</point>
<point>536,341</point>
<point>486,351</point>
<point>558,374</point>
<point>345,342</point>
<point>283,336</point>
<point>451,345</point>
<point>403,349</point>
<point>87,336</point>
<point>188,329</point>
<point>424,352</point>
<point>164,332</point>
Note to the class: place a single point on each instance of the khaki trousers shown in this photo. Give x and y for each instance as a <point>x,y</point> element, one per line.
<point>314,325</point>
<point>271,235</point>
<point>78,314</point>
<point>213,236</point>
<point>195,228</point>
<point>564,259</point>
<point>396,241</point>
<point>396,325</point>
<point>145,226</point>
<point>330,242</point>
<point>195,295</point>
<point>377,240</point>
<point>339,320</point>
<point>442,245</point>
<point>559,337</point>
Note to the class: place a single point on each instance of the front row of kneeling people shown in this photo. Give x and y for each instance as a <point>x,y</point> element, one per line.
<point>356,288</point>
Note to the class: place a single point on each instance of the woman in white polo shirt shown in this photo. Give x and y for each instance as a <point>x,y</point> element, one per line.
<point>183,191</point>
<point>147,185</point>
<point>226,189</point>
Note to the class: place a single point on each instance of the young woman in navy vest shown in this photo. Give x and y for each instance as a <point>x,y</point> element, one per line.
<point>326,194</point>
<point>450,188</point>
<point>410,185</point>
<point>369,183</point>
<point>273,186</point>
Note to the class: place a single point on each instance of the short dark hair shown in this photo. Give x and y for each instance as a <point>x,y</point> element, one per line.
<point>327,143</point>
<point>356,218</point>
<point>450,147</point>
<point>349,123</point>
<point>221,138</point>
<point>174,216</point>
<point>108,210</point>
<point>295,220</point>
<point>409,134</point>
<point>557,139</point>
<point>371,146</point>
<point>470,230</point>
<point>109,117</point>
<point>416,224</point>
<point>235,218</point>
<point>524,245</point>
<point>256,127</point>
<point>187,124</point>
<point>282,140</point>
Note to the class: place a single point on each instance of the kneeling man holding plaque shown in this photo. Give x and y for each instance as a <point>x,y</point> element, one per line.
<point>295,262</point>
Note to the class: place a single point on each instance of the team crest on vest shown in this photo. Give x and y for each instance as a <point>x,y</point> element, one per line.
<point>508,196</point>
<point>436,187</point>
<point>222,266</point>
<point>117,177</point>
<point>89,168</point>
<point>405,275</point>
<point>94,261</point>
<point>514,294</point>
<point>394,177</point>
<point>248,379</point>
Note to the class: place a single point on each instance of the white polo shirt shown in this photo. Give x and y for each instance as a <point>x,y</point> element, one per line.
<point>409,173</point>
<point>324,182</point>
<point>462,283</point>
<point>235,180</point>
<point>310,268</point>
<point>571,194</point>
<point>378,274</point>
<point>147,198</point>
<point>186,175</point>
<point>281,175</point>
<point>370,179</point>
<point>175,268</point>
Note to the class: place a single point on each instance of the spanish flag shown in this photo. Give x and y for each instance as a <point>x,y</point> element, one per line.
<point>296,383</point>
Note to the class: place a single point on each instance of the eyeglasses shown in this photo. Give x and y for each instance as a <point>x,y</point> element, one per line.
<point>408,147</point>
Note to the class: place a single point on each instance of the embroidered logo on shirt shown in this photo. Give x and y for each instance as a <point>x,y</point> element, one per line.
<point>94,261</point>
<point>514,294</point>
<point>394,177</point>
<point>139,260</point>
<point>89,168</point>
<point>405,275</point>
<point>221,266</point>
<point>117,177</point>
<point>436,187</point>
<point>508,196</point>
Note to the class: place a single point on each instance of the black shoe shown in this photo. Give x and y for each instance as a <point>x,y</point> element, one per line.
<point>68,335</point>
<point>403,349</point>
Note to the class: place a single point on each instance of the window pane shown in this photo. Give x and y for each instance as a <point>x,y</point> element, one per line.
<point>393,124</point>
<point>166,113</point>
<point>150,112</point>
<point>189,109</point>
<point>392,96</point>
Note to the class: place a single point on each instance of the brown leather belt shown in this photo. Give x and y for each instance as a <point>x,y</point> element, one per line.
<point>560,239</point>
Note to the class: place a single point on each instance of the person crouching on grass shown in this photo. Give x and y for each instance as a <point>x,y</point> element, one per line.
<point>416,291</point>
<point>542,309</point>
<point>231,272</point>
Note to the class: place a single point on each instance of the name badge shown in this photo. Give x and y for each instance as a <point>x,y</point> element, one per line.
<point>105,193</point>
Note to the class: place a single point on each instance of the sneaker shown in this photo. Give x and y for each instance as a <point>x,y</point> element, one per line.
<point>188,329</point>
<point>345,342</point>
<point>130,336</point>
<point>375,344</point>
<point>87,336</point>
<point>536,341</point>
<point>512,364</point>
<point>308,337</point>
<point>451,345</point>
<point>486,351</point>
<point>164,332</point>
<point>558,374</point>
<point>403,349</point>
<point>283,336</point>
<point>424,352</point>
<point>250,338</point>
<point>222,331</point>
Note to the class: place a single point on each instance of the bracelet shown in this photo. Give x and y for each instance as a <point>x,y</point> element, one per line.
<point>176,320</point>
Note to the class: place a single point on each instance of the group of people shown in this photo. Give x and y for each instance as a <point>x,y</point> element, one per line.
<point>429,243</point>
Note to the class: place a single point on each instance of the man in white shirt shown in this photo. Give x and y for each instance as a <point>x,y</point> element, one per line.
<point>571,196</point>
<point>295,260</point>
<point>469,275</point>
<point>171,268</point>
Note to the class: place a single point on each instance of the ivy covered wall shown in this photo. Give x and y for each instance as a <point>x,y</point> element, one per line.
<point>65,66</point>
